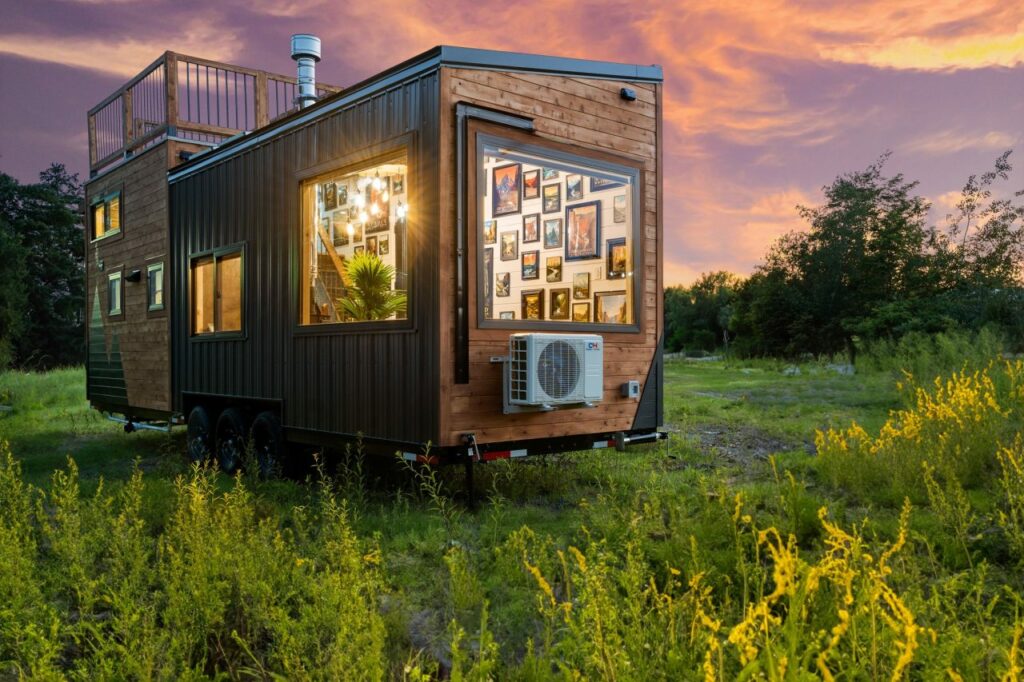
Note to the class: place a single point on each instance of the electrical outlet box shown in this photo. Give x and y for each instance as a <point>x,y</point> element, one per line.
<point>631,389</point>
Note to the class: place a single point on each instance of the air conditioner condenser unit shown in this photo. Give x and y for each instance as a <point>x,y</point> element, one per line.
<point>547,371</point>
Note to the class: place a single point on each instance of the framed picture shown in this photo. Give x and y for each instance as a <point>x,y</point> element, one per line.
<point>548,174</point>
<point>533,304</point>
<point>330,196</point>
<point>553,233</point>
<point>342,192</point>
<point>610,307</point>
<point>581,285</point>
<point>503,284</point>
<point>357,250</point>
<point>490,231</point>
<point>619,209</point>
<point>357,231</point>
<point>488,279</point>
<point>583,231</point>
<point>340,234</point>
<point>559,304</point>
<point>507,181</point>
<point>510,245</point>
<point>581,312</point>
<point>383,245</point>
<point>531,184</point>
<point>371,245</point>
<point>552,198</point>
<point>531,265</point>
<point>375,196</point>
<point>531,228</point>
<point>398,185</point>
<point>554,268</point>
<point>618,258</point>
<point>573,187</point>
<point>507,315</point>
<point>598,184</point>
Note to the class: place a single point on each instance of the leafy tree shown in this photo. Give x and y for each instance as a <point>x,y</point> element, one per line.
<point>12,293</point>
<point>45,221</point>
<point>700,316</point>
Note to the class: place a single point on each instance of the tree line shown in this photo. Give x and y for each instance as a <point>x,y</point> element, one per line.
<point>41,271</point>
<point>868,266</point>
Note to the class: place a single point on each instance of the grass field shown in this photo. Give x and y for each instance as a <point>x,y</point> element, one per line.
<point>747,545</point>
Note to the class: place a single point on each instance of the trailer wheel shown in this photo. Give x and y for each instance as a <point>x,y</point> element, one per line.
<point>268,443</point>
<point>198,435</point>
<point>231,440</point>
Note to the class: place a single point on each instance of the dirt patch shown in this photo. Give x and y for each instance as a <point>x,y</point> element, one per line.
<point>738,444</point>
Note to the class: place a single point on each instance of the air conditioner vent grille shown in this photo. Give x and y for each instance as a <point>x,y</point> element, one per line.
<point>519,369</point>
<point>558,369</point>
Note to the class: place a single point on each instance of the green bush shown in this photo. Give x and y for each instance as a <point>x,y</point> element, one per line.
<point>88,589</point>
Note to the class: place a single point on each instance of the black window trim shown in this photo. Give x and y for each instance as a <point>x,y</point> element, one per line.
<point>539,148</point>
<point>218,253</point>
<point>352,162</point>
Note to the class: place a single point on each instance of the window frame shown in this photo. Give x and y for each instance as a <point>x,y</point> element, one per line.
<point>351,163</point>
<point>218,254</point>
<point>118,275</point>
<point>484,134</point>
<point>105,199</point>
<point>151,307</point>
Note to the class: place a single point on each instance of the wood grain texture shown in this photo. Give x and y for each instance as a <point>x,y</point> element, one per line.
<point>589,115</point>
<point>143,337</point>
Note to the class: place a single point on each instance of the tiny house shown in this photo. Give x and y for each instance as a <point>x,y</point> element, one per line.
<point>458,258</point>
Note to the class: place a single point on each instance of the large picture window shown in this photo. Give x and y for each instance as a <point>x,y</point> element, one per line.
<point>217,293</point>
<point>355,264</point>
<point>556,237</point>
<point>106,216</point>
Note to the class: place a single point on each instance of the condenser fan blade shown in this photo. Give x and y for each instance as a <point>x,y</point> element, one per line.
<point>558,369</point>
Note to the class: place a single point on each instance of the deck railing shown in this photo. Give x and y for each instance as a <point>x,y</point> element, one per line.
<point>187,98</point>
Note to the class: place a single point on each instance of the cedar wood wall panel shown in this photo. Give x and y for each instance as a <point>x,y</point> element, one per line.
<point>140,337</point>
<point>587,113</point>
<point>383,384</point>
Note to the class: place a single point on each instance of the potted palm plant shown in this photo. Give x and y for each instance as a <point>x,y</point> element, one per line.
<point>369,295</point>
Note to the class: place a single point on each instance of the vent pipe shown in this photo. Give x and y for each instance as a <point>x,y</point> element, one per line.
<point>306,52</point>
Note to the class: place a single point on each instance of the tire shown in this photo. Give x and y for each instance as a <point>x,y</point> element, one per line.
<point>231,440</point>
<point>268,443</point>
<point>197,438</point>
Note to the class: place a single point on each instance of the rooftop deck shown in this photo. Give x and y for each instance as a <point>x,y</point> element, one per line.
<point>187,98</point>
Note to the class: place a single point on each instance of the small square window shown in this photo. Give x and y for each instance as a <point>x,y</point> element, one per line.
<point>114,298</point>
<point>106,216</point>
<point>216,289</point>
<point>155,286</point>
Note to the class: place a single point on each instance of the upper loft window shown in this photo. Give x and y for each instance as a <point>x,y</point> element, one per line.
<point>355,235</point>
<point>557,237</point>
<point>106,215</point>
<point>217,292</point>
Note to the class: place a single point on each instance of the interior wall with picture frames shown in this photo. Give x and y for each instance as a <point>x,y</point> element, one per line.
<point>529,271</point>
<point>337,207</point>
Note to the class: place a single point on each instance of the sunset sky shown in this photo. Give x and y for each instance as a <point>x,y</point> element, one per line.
<point>765,101</point>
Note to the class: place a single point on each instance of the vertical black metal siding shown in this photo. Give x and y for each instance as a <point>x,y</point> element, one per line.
<point>383,384</point>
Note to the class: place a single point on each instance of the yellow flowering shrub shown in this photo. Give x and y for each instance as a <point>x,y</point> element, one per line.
<point>956,425</point>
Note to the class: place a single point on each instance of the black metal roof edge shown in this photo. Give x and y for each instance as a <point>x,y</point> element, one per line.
<point>521,61</point>
<point>442,55</point>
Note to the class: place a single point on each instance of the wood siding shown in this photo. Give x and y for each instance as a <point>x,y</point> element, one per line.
<point>129,354</point>
<point>341,379</point>
<point>588,114</point>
